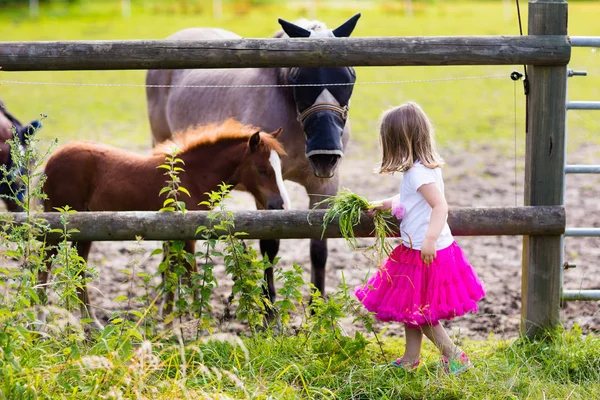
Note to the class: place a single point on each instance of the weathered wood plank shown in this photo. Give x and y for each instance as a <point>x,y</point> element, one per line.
<point>245,53</point>
<point>112,226</point>
<point>544,174</point>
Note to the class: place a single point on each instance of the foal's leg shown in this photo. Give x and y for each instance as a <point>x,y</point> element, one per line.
<point>190,247</point>
<point>43,275</point>
<point>269,249</point>
<point>87,311</point>
<point>169,296</point>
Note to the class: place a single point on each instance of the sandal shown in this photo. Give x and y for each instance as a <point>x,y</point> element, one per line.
<point>405,365</point>
<point>455,366</point>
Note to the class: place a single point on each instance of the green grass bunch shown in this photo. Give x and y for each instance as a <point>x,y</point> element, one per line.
<point>347,208</point>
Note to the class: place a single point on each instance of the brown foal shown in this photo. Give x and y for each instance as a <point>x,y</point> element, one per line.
<point>90,176</point>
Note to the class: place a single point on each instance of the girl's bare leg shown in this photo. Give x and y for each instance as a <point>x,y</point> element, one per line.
<point>414,340</point>
<point>438,335</point>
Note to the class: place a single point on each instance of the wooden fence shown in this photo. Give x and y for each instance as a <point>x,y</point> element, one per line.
<point>114,226</point>
<point>546,51</point>
<point>251,53</point>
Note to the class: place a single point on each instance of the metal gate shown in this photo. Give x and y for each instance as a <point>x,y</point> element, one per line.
<point>580,41</point>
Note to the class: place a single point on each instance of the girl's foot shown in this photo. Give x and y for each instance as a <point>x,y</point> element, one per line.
<point>405,365</point>
<point>455,366</point>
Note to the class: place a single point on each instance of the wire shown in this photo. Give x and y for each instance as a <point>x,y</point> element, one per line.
<point>13,82</point>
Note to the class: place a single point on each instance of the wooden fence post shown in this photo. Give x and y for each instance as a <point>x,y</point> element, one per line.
<point>544,173</point>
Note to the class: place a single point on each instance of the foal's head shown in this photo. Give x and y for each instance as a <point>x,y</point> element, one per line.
<point>260,171</point>
<point>254,155</point>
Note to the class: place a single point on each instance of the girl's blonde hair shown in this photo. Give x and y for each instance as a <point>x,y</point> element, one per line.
<point>406,135</point>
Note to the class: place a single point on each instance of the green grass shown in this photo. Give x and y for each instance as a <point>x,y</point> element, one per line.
<point>300,367</point>
<point>462,110</point>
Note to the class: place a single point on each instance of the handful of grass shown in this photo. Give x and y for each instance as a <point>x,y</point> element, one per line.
<point>348,207</point>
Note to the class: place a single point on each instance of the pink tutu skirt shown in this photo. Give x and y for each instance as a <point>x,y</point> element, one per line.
<point>406,290</point>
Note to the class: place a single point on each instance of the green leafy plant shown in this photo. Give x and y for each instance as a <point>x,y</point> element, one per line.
<point>173,186</point>
<point>176,261</point>
<point>290,293</point>
<point>70,271</point>
<point>241,263</point>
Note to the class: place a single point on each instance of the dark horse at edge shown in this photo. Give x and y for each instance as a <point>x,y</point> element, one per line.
<point>13,189</point>
<point>314,118</point>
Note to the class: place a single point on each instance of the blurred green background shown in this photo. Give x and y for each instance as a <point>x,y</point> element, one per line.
<point>467,104</point>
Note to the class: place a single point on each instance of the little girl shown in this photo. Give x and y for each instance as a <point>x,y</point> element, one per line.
<point>427,278</point>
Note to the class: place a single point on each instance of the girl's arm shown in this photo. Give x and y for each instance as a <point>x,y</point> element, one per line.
<point>383,204</point>
<point>439,213</point>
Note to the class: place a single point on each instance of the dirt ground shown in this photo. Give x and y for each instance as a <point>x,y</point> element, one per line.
<point>475,176</point>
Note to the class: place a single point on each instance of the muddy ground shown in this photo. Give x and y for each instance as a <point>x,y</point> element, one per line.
<point>475,176</point>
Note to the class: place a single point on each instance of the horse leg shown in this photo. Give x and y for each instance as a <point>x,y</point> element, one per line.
<point>318,260</point>
<point>87,312</point>
<point>169,295</point>
<point>192,269</point>
<point>269,249</point>
<point>318,247</point>
<point>42,290</point>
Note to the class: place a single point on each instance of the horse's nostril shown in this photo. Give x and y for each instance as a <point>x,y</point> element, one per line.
<point>324,165</point>
<point>275,204</point>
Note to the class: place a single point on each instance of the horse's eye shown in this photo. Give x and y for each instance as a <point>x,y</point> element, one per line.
<point>263,171</point>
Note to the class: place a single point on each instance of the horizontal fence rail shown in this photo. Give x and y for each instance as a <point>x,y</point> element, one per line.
<point>588,232</point>
<point>582,169</point>
<point>116,226</point>
<point>585,41</point>
<point>321,52</point>
<point>583,105</point>
<point>581,295</point>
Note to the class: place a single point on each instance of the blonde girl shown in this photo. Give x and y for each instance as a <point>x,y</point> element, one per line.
<point>426,278</point>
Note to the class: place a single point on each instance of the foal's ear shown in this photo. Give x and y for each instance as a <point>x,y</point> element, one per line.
<point>277,132</point>
<point>254,141</point>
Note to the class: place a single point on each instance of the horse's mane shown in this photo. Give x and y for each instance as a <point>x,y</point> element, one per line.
<point>304,23</point>
<point>205,135</point>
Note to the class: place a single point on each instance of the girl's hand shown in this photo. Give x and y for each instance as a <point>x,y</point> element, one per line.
<point>379,205</point>
<point>373,209</point>
<point>428,251</point>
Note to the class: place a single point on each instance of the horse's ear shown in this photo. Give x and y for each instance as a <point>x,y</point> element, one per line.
<point>345,29</point>
<point>254,141</point>
<point>277,132</point>
<point>293,30</point>
<point>28,129</point>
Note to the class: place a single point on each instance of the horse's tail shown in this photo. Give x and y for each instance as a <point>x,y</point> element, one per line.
<point>157,95</point>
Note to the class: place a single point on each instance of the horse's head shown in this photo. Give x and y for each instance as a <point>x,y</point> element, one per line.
<point>260,172</point>
<point>8,124</point>
<point>322,99</point>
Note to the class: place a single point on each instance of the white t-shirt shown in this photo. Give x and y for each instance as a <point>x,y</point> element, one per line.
<point>415,223</point>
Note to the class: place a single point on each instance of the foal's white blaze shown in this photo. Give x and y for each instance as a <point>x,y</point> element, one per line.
<point>276,164</point>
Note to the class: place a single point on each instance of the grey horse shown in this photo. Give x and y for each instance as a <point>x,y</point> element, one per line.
<point>312,113</point>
